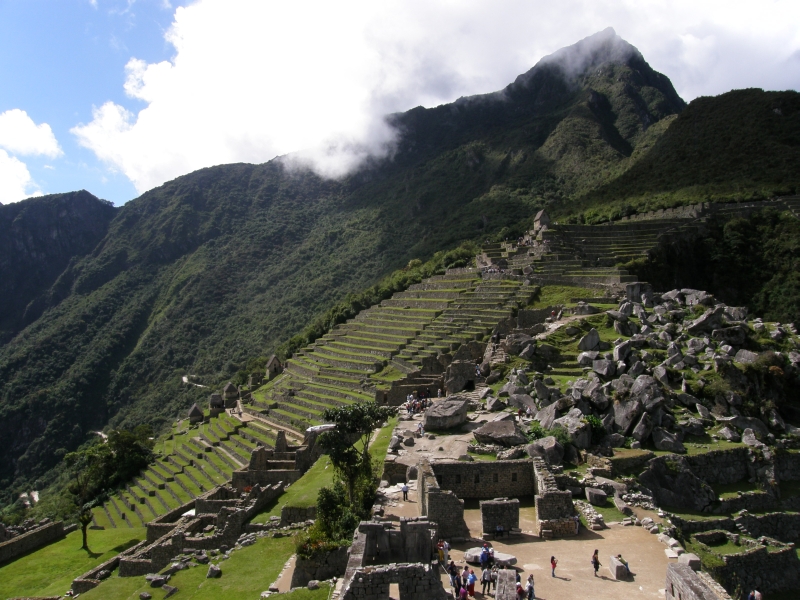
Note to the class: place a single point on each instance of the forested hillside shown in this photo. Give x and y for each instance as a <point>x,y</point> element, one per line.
<point>224,264</point>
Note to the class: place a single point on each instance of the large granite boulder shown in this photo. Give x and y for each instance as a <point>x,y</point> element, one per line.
<point>733,336</point>
<point>626,413</point>
<point>523,401</point>
<point>591,341</point>
<point>502,433</point>
<point>673,484</point>
<point>596,496</point>
<point>446,414</point>
<point>604,368</point>
<point>667,441</point>
<point>547,415</point>
<point>643,428</point>
<point>547,448</point>
<point>495,404</point>
<point>515,342</point>
<point>707,322</point>
<point>746,357</point>
<point>579,430</point>
<point>458,374</point>
<point>646,390</point>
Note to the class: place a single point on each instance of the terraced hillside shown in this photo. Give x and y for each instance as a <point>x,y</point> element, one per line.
<point>361,357</point>
<point>193,460</point>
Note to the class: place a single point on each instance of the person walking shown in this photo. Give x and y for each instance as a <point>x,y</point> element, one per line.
<point>405,491</point>
<point>596,562</point>
<point>529,588</point>
<point>446,548</point>
<point>486,580</point>
<point>494,579</point>
<point>553,563</point>
<point>452,570</point>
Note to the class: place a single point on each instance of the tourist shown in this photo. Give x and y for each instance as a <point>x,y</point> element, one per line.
<point>596,562</point>
<point>553,563</point>
<point>452,570</point>
<point>486,580</point>
<point>471,580</point>
<point>446,549</point>
<point>751,595</point>
<point>499,532</point>
<point>577,524</point>
<point>520,591</point>
<point>405,491</point>
<point>440,551</point>
<point>624,562</point>
<point>758,595</point>
<point>485,557</point>
<point>439,393</point>
<point>519,414</point>
<point>529,588</point>
<point>463,594</point>
<point>494,579</point>
<point>420,430</point>
<point>491,557</point>
<point>465,574</point>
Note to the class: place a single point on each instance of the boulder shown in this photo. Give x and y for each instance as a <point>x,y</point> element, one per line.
<point>465,458</point>
<point>542,391</point>
<point>617,316</point>
<point>170,589</point>
<point>604,368</point>
<point>626,413</point>
<point>580,432</point>
<point>596,496</point>
<point>669,442</point>
<point>590,341</point>
<point>749,438</point>
<point>707,322</point>
<point>409,441</point>
<point>145,596</point>
<point>625,328</point>
<point>547,415</point>
<point>156,580</point>
<point>692,426</point>
<point>643,428</point>
<point>502,433</point>
<point>501,559</point>
<point>511,388</point>
<point>522,401</point>
<point>729,434</point>
<point>734,336</point>
<point>313,585</point>
<point>673,483</point>
<point>585,359</point>
<point>621,351</point>
<point>495,405</point>
<point>511,454</point>
<point>446,414</point>
<point>395,443</point>
<point>213,572</point>
<point>548,352</point>
<point>626,308</point>
<point>458,374</point>
<point>742,423</point>
<point>746,357</point>
<point>648,392</point>
<point>614,440</point>
<point>703,411</point>
<point>515,342</point>
<point>585,309</point>
<point>493,377</point>
<point>547,448</point>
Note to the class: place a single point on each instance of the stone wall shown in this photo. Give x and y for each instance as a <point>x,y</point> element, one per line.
<point>692,211</point>
<point>683,583</point>
<point>689,527</point>
<point>768,570</point>
<point>320,567</point>
<point>486,480</point>
<point>90,580</point>
<point>296,514</point>
<point>721,466</point>
<point>787,466</point>
<point>442,507</point>
<point>500,511</point>
<point>752,501</point>
<point>393,470</point>
<point>634,463</point>
<point>555,512</point>
<point>31,540</point>
<point>245,478</point>
<point>781,526</point>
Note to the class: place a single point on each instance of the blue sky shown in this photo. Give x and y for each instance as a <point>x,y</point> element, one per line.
<point>58,58</point>
<point>119,96</point>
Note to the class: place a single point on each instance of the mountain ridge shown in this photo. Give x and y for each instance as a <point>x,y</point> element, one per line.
<point>221,265</point>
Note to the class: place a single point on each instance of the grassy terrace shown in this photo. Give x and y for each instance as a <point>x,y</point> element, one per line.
<point>50,570</point>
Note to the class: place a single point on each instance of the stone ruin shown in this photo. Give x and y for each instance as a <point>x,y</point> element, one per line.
<point>381,555</point>
<point>683,583</point>
<point>285,462</point>
<point>224,508</point>
<point>500,512</point>
<point>195,414</point>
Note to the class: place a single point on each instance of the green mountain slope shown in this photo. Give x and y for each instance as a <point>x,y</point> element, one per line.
<point>223,264</point>
<point>38,239</point>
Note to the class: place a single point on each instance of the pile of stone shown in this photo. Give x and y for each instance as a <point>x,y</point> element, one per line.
<point>594,519</point>
<point>12,531</point>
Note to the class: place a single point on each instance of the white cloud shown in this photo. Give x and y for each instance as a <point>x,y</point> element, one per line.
<point>15,180</point>
<point>251,79</point>
<point>20,135</point>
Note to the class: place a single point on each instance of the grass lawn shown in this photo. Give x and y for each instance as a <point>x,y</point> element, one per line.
<point>303,492</point>
<point>551,295</point>
<point>609,512</point>
<point>50,570</point>
<point>246,574</point>
<point>731,490</point>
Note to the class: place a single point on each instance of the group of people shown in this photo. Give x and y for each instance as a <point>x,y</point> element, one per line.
<point>464,581</point>
<point>417,402</point>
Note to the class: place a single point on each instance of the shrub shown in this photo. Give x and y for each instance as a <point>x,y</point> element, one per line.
<point>598,429</point>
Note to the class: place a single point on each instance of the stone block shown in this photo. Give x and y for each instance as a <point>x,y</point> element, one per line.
<point>690,559</point>
<point>596,496</point>
<point>617,569</point>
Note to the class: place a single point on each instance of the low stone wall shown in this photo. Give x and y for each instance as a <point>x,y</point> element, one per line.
<point>781,526</point>
<point>416,581</point>
<point>320,567</point>
<point>499,512</point>
<point>752,501</point>
<point>762,569</point>
<point>683,583</point>
<point>787,466</point>
<point>296,514</point>
<point>31,540</point>
<point>244,479</point>
<point>623,465</point>
<point>89,580</point>
<point>486,480</point>
<point>721,466</point>
<point>689,527</point>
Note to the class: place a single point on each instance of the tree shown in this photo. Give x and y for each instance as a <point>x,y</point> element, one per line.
<point>89,476</point>
<point>348,445</point>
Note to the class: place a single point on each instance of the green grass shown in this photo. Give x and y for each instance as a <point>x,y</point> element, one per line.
<point>50,570</point>
<point>246,574</point>
<point>552,295</point>
<point>731,490</point>
<point>610,512</point>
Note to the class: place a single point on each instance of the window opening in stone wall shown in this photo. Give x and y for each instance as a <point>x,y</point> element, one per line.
<point>513,477</point>
<point>477,478</point>
<point>458,478</point>
<point>494,477</point>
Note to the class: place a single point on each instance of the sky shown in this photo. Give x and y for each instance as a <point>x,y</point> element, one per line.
<point>120,96</point>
